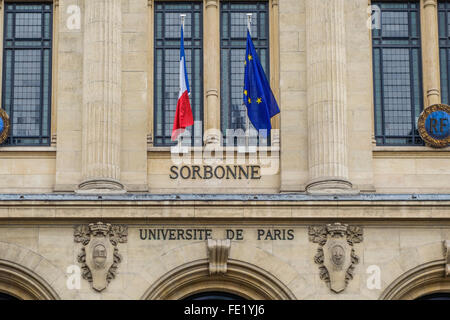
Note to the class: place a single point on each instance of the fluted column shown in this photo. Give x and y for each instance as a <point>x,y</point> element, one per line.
<point>275,66</point>
<point>101,96</point>
<point>326,81</point>
<point>430,52</point>
<point>212,66</point>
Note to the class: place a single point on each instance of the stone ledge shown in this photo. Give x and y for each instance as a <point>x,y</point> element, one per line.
<point>249,211</point>
<point>27,149</point>
<point>295,198</point>
<point>413,152</point>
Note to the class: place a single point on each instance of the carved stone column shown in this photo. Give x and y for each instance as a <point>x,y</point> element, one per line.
<point>430,52</point>
<point>275,67</point>
<point>212,66</point>
<point>102,97</point>
<point>326,81</point>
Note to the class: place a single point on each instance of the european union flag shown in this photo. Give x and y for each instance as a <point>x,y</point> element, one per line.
<point>258,96</point>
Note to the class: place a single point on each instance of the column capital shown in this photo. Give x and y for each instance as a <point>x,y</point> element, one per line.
<point>212,92</point>
<point>212,3</point>
<point>427,3</point>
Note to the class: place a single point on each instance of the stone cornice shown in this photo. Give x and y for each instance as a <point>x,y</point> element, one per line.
<point>260,208</point>
<point>294,198</point>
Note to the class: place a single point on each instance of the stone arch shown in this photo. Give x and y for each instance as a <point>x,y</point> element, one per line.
<point>243,279</point>
<point>25,274</point>
<point>425,279</point>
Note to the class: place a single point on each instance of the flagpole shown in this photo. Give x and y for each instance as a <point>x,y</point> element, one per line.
<point>247,120</point>
<point>182,16</point>
<point>183,113</point>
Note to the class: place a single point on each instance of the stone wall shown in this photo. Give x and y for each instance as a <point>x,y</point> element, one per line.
<point>394,247</point>
<point>144,167</point>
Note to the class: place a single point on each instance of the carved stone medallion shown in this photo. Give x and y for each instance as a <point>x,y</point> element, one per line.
<point>336,256</point>
<point>4,125</point>
<point>434,125</point>
<point>100,256</point>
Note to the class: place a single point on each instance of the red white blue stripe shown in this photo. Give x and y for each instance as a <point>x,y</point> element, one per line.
<point>183,114</point>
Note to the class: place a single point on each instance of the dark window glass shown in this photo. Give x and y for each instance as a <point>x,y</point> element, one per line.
<point>397,74</point>
<point>444,49</point>
<point>27,58</point>
<point>436,296</point>
<point>204,296</point>
<point>233,41</point>
<point>167,66</point>
<point>6,297</point>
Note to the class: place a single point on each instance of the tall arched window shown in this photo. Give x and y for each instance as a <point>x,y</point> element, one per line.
<point>6,297</point>
<point>436,296</point>
<point>167,62</point>
<point>27,60</point>
<point>397,72</point>
<point>233,40</point>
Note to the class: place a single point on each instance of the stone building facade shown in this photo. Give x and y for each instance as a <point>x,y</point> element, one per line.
<point>344,202</point>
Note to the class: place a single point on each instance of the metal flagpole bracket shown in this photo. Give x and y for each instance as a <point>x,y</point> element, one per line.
<point>182,16</point>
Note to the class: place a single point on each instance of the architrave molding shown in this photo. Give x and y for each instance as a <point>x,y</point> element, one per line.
<point>243,279</point>
<point>24,284</point>
<point>425,279</point>
<point>447,257</point>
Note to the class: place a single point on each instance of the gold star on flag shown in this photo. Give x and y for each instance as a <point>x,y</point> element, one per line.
<point>250,57</point>
<point>245,92</point>
<point>249,100</point>
<point>259,100</point>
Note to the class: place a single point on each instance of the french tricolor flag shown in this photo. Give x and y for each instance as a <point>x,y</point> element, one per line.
<point>183,114</point>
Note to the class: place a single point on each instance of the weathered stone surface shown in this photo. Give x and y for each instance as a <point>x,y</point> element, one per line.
<point>320,72</point>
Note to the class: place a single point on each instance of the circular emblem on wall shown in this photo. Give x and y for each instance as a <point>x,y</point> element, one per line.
<point>4,126</point>
<point>434,125</point>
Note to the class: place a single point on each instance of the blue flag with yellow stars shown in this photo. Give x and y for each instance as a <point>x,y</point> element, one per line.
<point>258,96</point>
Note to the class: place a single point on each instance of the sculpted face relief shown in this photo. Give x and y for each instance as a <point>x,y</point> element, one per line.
<point>338,255</point>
